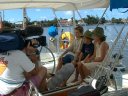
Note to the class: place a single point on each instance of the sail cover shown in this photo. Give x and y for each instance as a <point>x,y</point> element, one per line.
<point>60,5</point>
<point>114,4</point>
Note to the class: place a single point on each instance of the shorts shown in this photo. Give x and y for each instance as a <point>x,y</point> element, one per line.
<point>62,75</point>
<point>91,66</point>
<point>68,58</point>
<point>36,80</point>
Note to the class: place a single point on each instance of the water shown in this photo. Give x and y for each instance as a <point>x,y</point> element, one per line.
<point>110,31</point>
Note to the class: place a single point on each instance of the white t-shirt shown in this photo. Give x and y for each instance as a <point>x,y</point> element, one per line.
<point>76,45</point>
<point>12,67</point>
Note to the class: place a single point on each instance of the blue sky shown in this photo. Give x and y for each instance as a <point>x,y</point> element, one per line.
<point>42,14</point>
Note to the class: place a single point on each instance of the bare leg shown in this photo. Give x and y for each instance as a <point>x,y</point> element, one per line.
<point>42,75</point>
<point>84,72</point>
<point>59,66</point>
<point>63,84</point>
<point>76,75</point>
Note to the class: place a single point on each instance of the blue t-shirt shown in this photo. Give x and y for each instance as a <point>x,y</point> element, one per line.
<point>87,49</point>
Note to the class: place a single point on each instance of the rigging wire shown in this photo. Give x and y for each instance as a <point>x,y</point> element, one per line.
<point>106,59</point>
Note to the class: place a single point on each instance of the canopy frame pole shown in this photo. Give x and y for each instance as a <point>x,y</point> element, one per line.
<point>58,44</point>
<point>1,23</point>
<point>74,22</point>
<point>80,17</point>
<point>78,13</point>
<point>56,17</point>
<point>3,15</point>
<point>24,18</point>
<point>102,16</point>
<point>3,2</point>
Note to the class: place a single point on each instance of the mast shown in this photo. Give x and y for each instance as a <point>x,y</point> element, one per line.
<point>74,20</point>
<point>24,18</point>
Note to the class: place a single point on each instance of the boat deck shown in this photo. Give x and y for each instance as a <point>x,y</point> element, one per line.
<point>111,91</point>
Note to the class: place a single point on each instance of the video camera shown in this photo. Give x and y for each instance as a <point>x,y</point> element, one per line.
<point>40,41</point>
<point>31,31</point>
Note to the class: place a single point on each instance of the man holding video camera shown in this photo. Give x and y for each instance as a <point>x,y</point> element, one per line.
<point>17,66</point>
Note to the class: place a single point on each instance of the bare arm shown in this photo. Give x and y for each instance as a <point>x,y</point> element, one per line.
<point>104,50</point>
<point>34,72</point>
<point>80,56</point>
<point>79,53</point>
<point>91,58</point>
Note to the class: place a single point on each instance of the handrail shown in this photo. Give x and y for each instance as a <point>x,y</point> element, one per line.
<point>120,51</point>
<point>106,59</point>
<point>48,93</point>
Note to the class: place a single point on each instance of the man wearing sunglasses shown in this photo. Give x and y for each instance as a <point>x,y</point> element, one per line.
<point>39,73</point>
<point>18,66</point>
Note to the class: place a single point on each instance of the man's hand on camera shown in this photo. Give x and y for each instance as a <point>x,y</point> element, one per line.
<point>32,54</point>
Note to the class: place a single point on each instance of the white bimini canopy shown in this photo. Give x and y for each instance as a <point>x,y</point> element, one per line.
<point>58,5</point>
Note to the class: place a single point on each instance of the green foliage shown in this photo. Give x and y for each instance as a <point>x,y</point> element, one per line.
<point>7,24</point>
<point>46,23</point>
<point>114,20</point>
<point>91,19</point>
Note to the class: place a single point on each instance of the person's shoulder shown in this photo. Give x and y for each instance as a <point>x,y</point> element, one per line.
<point>92,44</point>
<point>17,52</point>
<point>105,44</point>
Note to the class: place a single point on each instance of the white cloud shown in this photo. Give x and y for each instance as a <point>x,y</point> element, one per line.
<point>99,9</point>
<point>37,10</point>
<point>85,12</point>
<point>11,20</point>
<point>68,13</point>
<point>43,18</point>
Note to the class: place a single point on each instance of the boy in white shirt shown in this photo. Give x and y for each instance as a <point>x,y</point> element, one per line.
<point>71,53</point>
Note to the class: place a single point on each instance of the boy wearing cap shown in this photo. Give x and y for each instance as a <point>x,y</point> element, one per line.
<point>100,51</point>
<point>86,51</point>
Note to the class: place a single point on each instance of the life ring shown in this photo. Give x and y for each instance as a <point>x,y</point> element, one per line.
<point>66,39</point>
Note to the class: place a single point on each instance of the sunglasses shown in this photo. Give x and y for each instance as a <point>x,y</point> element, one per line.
<point>37,53</point>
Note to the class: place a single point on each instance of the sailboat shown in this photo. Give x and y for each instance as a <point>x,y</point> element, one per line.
<point>66,5</point>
